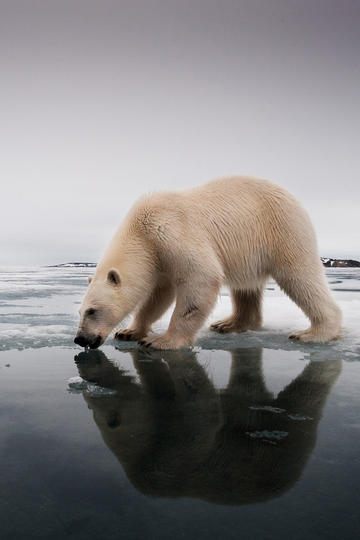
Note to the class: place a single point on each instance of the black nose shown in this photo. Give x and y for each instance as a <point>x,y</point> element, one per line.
<point>81,340</point>
<point>90,341</point>
<point>94,344</point>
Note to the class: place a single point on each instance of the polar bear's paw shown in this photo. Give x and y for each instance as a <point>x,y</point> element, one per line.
<point>164,342</point>
<point>129,334</point>
<point>314,336</point>
<point>230,325</point>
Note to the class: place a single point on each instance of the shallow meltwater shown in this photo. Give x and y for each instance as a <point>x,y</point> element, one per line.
<point>250,442</point>
<point>246,436</point>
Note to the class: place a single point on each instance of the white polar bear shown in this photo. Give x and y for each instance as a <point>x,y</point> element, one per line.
<point>184,245</point>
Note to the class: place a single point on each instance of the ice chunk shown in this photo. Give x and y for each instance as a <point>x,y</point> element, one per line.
<point>268,435</point>
<point>299,417</point>
<point>267,408</point>
<point>77,385</point>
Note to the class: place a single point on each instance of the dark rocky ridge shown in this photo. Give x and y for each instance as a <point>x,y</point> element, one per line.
<point>73,265</point>
<point>339,263</point>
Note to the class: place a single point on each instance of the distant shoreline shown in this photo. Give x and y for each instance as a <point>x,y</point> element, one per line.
<point>339,263</point>
<point>73,265</point>
<point>327,262</point>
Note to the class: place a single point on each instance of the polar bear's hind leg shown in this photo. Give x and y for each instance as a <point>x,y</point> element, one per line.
<point>311,293</point>
<point>246,314</point>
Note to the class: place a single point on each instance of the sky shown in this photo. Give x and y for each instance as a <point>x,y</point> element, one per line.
<point>104,100</point>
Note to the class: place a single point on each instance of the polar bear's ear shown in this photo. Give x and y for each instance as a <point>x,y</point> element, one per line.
<point>113,277</point>
<point>89,279</point>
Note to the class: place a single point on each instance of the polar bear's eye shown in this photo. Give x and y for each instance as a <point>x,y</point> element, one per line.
<point>90,311</point>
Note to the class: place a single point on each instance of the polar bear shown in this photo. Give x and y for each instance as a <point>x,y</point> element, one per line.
<point>182,246</point>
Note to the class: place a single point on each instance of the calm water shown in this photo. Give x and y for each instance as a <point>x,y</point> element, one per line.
<point>245,437</point>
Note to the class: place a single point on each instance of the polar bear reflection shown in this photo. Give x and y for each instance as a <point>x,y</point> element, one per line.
<point>175,435</point>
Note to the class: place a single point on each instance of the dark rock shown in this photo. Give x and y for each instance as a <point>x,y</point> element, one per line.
<point>340,263</point>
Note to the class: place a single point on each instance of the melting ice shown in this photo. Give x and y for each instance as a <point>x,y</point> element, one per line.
<point>38,308</point>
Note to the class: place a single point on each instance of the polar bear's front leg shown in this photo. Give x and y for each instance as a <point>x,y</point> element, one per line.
<point>154,307</point>
<point>195,299</point>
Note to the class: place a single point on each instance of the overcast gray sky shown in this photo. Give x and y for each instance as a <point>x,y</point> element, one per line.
<point>104,100</point>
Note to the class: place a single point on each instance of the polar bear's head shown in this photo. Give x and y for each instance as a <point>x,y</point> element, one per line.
<point>124,279</point>
<point>99,312</point>
<point>109,299</point>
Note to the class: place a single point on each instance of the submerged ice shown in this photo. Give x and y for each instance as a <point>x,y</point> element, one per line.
<point>77,385</point>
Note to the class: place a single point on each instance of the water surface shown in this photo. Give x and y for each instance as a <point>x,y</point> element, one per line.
<point>244,437</point>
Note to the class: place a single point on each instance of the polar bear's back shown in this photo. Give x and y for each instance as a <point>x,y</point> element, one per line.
<point>242,197</point>
<point>257,215</point>
<point>250,225</point>
<point>256,227</point>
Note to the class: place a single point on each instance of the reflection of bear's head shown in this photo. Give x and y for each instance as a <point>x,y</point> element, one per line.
<point>175,435</point>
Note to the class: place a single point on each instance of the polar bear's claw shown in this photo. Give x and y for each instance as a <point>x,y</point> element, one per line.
<point>128,334</point>
<point>143,343</point>
<point>315,336</point>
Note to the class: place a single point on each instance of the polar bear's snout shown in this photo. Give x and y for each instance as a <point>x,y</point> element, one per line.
<point>92,341</point>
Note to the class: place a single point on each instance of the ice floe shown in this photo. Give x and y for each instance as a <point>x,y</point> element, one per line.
<point>38,308</point>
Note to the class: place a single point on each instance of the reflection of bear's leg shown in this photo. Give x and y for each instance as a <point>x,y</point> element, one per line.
<point>195,299</point>
<point>155,376</point>
<point>307,393</point>
<point>156,305</point>
<point>312,295</point>
<point>246,312</point>
<point>246,383</point>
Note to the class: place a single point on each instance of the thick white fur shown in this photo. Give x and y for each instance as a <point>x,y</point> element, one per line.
<point>182,246</point>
